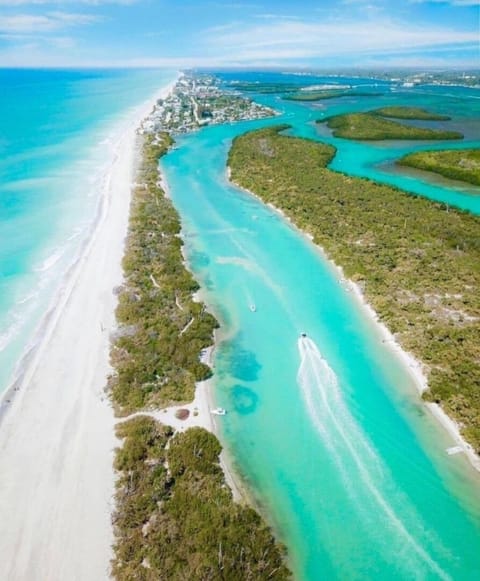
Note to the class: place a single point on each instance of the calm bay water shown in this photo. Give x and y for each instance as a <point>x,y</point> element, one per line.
<point>368,159</point>
<point>327,431</point>
<point>57,136</point>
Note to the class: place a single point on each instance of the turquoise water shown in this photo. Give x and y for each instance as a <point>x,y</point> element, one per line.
<point>327,431</point>
<point>57,138</point>
<point>374,160</point>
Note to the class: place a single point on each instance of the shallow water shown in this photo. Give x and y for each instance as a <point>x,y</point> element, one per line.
<point>366,159</point>
<point>57,138</point>
<point>327,431</point>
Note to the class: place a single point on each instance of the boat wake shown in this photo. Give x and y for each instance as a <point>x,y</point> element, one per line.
<point>372,491</point>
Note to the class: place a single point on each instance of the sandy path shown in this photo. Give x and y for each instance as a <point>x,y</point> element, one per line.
<point>57,439</point>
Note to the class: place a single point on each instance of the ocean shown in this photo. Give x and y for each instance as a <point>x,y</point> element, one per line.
<point>58,130</point>
<point>327,432</point>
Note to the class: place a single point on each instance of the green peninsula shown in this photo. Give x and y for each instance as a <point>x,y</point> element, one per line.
<point>456,164</point>
<point>414,113</point>
<point>416,260</point>
<point>372,127</point>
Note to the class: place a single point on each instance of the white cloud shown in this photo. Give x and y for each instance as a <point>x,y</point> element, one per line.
<point>72,18</point>
<point>57,2</point>
<point>273,16</point>
<point>39,23</point>
<point>294,39</point>
<point>417,62</point>
<point>451,2</point>
<point>62,42</point>
<point>234,5</point>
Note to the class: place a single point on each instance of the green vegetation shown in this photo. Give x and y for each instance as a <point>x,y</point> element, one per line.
<point>293,92</point>
<point>456,164</point>
<point>409,113</point>
<point>372,127</point>
<point>265,88</point>
<point>175,517</point>
<point>418,261</point>
<point>161,329</point>
<point>328,94</point>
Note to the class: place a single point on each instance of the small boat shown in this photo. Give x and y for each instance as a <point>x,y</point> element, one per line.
<point>454,450</point>
<point>303,334</point>
<point>253,308</point>
<point>219,412</point>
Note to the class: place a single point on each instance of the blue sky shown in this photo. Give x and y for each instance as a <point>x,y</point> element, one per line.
<point>250,33</point>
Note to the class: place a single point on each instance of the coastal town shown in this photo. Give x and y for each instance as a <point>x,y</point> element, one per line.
<point>446,78</point>
<point>198,100</point>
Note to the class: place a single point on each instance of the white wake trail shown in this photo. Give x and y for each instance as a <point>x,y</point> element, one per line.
<point>348,444</point>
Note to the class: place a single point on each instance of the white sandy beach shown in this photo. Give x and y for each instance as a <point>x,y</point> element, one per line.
<point>57,435</point>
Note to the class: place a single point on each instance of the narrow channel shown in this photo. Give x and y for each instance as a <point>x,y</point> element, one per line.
<point>327,431</point>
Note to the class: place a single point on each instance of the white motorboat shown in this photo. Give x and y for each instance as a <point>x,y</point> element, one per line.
<point>454,450</point>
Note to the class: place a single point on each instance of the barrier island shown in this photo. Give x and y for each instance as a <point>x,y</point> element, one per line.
<point>174,517</point>
<point>456,164</point>
<point>416,260</point>
<point>373,127</point>
<point>155,354</point>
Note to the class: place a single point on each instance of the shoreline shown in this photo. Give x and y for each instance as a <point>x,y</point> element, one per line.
<point>412,365</point>
<point>203,401</point>
<point>415,369</point>
<point>24,363</point>
<point>57,431</point>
